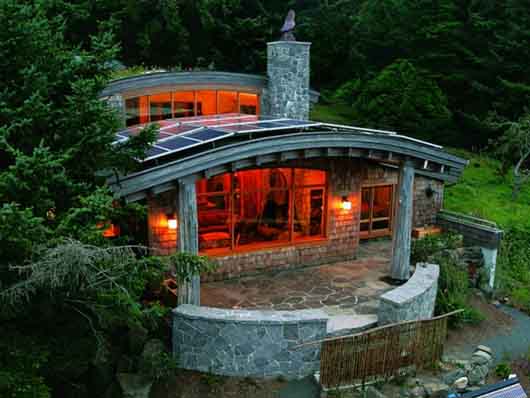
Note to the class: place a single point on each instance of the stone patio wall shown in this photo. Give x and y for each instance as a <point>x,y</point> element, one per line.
<point>414,300</point>
<point>247,343</point>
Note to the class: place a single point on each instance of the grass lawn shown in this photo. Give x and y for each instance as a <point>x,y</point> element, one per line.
<point>482,192</point>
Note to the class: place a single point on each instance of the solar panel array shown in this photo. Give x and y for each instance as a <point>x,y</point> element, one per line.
<point>184,133</point>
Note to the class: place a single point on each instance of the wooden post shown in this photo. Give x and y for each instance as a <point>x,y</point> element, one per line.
<point>400,267</point>
<point>188,293</point>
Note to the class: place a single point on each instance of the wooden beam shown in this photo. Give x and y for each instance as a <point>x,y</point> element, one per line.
<point>265,159</point>
<point>243,164</point>
<point>400,267</point>
<point>213,171</point>
<point>168,186</point>
<point>290,155</point>
<point>312,153</point>
<point>188,236</point>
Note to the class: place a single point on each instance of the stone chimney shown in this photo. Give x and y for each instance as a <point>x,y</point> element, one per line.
<point>288,79</point>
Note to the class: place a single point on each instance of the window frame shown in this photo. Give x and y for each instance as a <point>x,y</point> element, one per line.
<point>371,233</point>
<point>291,189</point>
<point>195,91</point>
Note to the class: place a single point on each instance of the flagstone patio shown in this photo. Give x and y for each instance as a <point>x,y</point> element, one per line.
<point>344,288</point>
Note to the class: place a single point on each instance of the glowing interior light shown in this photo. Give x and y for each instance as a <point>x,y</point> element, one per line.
<point>346,204</point>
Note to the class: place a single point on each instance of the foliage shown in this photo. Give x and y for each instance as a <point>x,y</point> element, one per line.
<point>513,275</point>
<point>513,149</point>
<point>484,192</point>
<point>503,370</point>
<point>20,369</point>
<point>186,265</point>
<point>422,249</point>
<point>453,284</point>
<point>159,366</point>
<point>404,99</point>
<point>55,133</point>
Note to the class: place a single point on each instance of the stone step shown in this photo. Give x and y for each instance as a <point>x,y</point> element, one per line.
<point>341,325</point>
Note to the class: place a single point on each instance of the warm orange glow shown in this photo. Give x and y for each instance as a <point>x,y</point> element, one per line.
<point>248,103</point>
<point>171,222</point>
<point>227,102</point>
<point>111,231</point>
<point>206,103</point>
<point>257,208</point>
<point>346,203</point>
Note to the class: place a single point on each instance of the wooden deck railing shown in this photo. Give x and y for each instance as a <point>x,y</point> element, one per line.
<point>383,352</point>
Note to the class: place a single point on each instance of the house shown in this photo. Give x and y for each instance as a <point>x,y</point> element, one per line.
<point>239,173</point>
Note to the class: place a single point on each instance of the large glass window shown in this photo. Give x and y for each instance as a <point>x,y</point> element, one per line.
<point>255,208</point>
<point>227,102</point>
<point>248,103</point>
<point>206,103</point>
<point>161,106</point>
<point>376,210</point>
<point>184,103</point>
<point>137,110</point>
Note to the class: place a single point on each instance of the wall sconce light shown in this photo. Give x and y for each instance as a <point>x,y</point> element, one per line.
<point>346,203</point>
<point>429,192</point>
<point>171,221</point>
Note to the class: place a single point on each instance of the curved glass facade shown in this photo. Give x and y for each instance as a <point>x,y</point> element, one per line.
<point>150,108</point>
<point>251,209</point>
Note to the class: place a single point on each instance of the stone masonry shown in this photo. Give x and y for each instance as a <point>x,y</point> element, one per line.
<point>288,72</point>
<point>248,343</point>
<point>413,300</point>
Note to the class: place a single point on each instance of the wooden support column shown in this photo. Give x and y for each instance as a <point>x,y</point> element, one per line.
<point>188,239</point>
<point>400,267</point>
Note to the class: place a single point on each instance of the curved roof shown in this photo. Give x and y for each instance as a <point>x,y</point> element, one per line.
<point>270,147</point>
<point>164,81</point>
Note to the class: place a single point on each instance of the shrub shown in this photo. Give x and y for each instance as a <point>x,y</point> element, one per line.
<point>503,370</point>
<point>513,271</point>
<point>424,248</point>
<point>454,292</point>
<point>453,284</point>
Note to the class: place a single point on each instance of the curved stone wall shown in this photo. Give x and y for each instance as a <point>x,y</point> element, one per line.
<point>247,343</point>
<point>414,300</point>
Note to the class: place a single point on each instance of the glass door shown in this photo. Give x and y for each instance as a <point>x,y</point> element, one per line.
<point>377,210</point>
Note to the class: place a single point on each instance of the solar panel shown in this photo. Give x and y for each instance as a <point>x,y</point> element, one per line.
<point>154,151</point>
<point>207,134</point>
<point>183,133</point>
<point>176,143</point>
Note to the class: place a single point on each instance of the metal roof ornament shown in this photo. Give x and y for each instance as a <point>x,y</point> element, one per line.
<point>288,27</point>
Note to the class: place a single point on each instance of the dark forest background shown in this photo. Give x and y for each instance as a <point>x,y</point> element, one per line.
<point>433,69</point>
<point>76,309</point>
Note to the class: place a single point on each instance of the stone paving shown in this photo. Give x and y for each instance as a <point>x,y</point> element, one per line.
<point>344,288</point>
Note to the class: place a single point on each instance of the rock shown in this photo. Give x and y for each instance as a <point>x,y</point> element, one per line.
<point>478,375</point>
<point>372,392</point>
<point>136,339</point>
<point>481,358</point>
<point>484,348</point>
<point>461,383</point>
<point>417,392</point>
<point>435,390</point>
<point>134,385</point>
<point>451,377</point>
